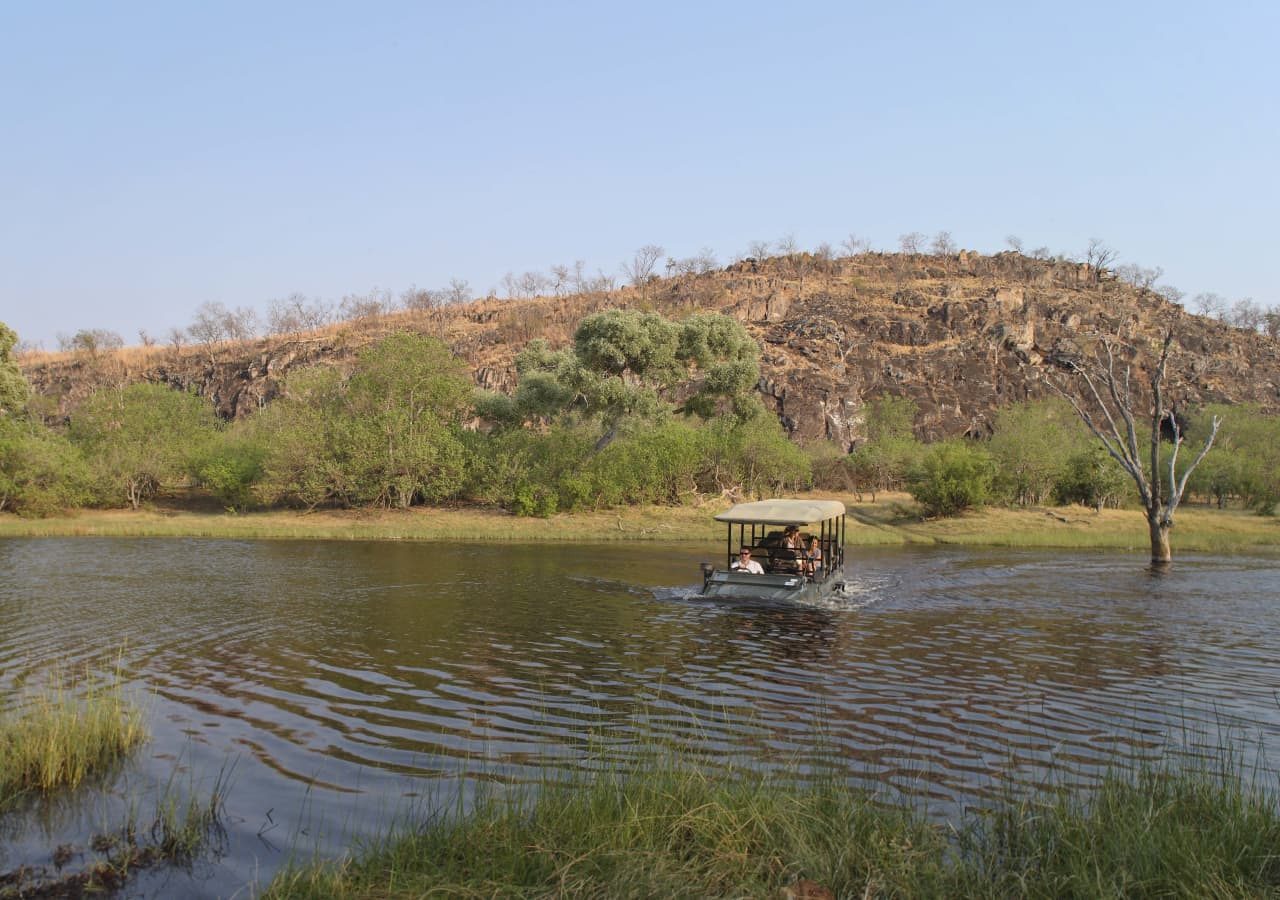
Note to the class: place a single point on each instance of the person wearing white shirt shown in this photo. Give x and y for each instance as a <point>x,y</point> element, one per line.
<point>744,563</point>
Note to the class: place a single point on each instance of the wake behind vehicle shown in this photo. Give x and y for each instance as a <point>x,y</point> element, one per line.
<point>798,546</point>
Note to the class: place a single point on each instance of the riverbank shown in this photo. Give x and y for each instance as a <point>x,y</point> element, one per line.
<point>664,830</point>
<point>893,520</point>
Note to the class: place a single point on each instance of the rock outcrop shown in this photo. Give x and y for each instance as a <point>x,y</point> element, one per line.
<point>961,335</point>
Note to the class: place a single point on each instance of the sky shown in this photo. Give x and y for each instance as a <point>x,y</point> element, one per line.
<point>157,156</point>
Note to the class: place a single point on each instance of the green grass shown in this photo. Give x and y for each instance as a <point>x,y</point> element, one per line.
<point>64,733</point>
<point>893,521</point>
<point>660,829</point>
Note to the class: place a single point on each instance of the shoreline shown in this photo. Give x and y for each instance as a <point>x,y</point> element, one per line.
<point>891,521</point>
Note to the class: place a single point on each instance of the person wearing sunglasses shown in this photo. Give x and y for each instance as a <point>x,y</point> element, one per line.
<point>744,563</point>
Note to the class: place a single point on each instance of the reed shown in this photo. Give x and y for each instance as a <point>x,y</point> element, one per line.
<point>659,829</point>
<point>65,732</point>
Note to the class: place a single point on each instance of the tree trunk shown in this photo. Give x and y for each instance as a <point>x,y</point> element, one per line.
<point>1161,555</point>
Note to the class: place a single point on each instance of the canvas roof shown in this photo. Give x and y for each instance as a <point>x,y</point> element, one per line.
<point>783,512</point>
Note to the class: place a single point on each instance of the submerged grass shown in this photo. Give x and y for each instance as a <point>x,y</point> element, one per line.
<point>659,829</point>
<point>65,732</point>
<point>893,521</point>
<point>185,825</point>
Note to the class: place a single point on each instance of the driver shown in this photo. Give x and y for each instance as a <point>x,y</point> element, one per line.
<point>744,563</point>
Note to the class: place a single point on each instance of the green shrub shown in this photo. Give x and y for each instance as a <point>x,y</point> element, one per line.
<point>229,468</point>
<point>140,437</point>
<point>1092,478</point>
<point>951,477</point>
<point>41,473</point>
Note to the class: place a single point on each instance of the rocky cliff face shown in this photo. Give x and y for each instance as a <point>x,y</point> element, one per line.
<point>961,335</point>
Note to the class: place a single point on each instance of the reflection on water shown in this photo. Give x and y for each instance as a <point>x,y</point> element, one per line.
<point>344,678</point>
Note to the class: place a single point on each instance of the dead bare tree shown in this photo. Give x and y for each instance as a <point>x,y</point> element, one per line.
<point>640,269</point>
<point>1099,257</point>
<point>1106,406</point>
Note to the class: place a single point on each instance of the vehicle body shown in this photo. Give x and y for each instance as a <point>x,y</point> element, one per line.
<point>788,574</point>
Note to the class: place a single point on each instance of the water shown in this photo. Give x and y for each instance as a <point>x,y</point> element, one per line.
<point>348,684</point>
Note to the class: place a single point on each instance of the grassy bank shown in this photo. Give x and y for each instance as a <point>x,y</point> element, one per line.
<point>667,831</point>
<point>62,735</point>
<point>894,520</point>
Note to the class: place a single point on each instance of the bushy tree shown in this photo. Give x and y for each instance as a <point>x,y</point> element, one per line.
<point>1091,477</point>
<point>1246,461</point>
<point>1031,446</point>
<point>41,473</point>
<point>951,477</point>
<point>882,461</point>
<point>305,436</point>
<point>139,437</point>
<point>14,390</point>
<point>230,466</point>
<point>406,402</point>
<point>390,435</point>
<point>626,366</point>
<point>652,465</point>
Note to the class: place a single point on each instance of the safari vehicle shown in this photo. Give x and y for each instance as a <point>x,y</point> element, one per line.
<point>789,574</point>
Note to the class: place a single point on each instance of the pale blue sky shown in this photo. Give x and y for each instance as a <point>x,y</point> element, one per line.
<point>156,156</point>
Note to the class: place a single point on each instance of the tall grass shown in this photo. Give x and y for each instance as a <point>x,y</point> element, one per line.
<point>65,732</point>
<point>668,830</point>
<point>890,522</point>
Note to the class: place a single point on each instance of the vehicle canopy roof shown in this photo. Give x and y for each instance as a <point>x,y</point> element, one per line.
<point>783,512</point>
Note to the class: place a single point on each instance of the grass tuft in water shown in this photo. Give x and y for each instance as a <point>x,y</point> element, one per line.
<point>663,829</point>
<point>186,824</point>
<point>64,733</point>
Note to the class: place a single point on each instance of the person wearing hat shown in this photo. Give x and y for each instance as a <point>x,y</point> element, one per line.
<point>744,563</point>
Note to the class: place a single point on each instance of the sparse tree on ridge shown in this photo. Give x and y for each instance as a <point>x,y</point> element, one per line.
<point>1103,399</point>
<point>911,242</point>
<point>459,291</point>
<point>1210,305</point>
<point>640,269</point>
<point>855,245</point>
<point>943,244</point>
<point>1099,257</point>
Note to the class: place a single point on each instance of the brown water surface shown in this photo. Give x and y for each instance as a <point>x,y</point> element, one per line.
<point>351,683</point>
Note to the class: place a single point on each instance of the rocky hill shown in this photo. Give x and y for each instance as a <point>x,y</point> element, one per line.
<point>961,335</point>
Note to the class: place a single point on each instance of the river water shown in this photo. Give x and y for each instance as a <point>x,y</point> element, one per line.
<point>344,685</point>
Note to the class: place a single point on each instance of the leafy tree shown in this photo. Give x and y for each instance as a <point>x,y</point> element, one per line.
<point>139,437</point>
<point>1090,477</point>
<point>1246,461</point>
<point>230,466</point>
<point>653,465</point>
<point>753,457</point>
<point>882,462</point>
<point>951,477</point>
<point>626,365</point>
<point>390,435</point>
<point>1031,446</point>
<point>305,436</point>
<point>406,402</point>
<point>41,473</point>
<point>14,390</point>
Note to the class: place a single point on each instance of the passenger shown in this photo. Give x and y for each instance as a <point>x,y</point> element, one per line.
<point>791,538</point>
<point>744,563</point>
<point>790,553</point>
<point>813,551</point>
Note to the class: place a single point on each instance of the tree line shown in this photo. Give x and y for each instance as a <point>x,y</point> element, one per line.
<point>638,409</point>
